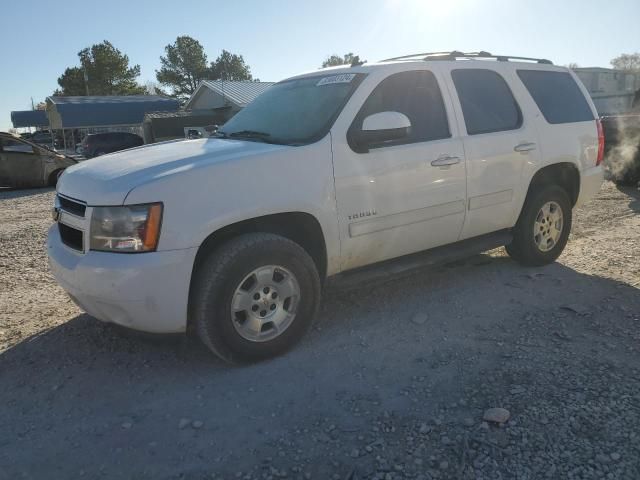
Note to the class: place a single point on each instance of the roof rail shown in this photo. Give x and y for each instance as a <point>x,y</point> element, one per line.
<point>454,55</point>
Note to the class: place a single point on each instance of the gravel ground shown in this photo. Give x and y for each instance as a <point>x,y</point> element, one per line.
<point>393,382</point>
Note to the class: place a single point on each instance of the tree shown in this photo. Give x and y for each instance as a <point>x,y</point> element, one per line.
<point>627,61</point>
<point>229,66</point>
<point>71,82</point>
<point>103,70</point>
<point>335,60</point>
<point>183,67</point>
<point>572,66</point>
<point>153,88</point>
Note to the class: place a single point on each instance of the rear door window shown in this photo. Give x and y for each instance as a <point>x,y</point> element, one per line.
<point>557,95</point>
<point>417,95</point>
<point>486,100</point>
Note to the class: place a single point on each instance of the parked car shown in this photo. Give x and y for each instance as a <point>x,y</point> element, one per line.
<point>44,138</point>
<point>25,164</point>
<point>328,174</point>
<point>96,144</point>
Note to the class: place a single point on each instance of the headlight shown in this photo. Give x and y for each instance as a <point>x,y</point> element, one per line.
<point>133,228</point>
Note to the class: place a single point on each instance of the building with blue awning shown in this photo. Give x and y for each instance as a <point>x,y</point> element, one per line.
<point>105,111</point>
<point>95,114</point>
<point>29,118</point>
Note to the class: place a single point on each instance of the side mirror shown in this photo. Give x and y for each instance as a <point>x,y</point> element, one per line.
<point>380,128</point>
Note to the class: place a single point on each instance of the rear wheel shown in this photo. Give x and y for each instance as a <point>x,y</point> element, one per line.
<point>254,297</point>
<point>543,228</point>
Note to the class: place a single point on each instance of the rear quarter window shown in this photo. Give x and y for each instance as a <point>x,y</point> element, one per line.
<point>557,95</point>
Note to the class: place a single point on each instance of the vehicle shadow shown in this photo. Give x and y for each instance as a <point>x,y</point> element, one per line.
<point>85,384</point>
<point>83,339</point>
<point>634,196</point>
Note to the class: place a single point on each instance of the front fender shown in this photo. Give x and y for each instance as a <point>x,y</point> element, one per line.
<point>200,201</point>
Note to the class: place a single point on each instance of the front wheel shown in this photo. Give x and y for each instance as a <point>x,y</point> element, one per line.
<point>254,297</point>
<point>54,177</point>
<point>543,228</point>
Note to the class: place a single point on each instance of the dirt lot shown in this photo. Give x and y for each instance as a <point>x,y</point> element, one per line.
<point>392,383</point>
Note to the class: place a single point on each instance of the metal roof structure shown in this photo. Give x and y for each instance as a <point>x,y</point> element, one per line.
<point>29,118</point>
<point>238,93</point>
<point>98,111</point>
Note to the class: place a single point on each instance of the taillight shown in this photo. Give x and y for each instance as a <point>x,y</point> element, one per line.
<point>600,142</point>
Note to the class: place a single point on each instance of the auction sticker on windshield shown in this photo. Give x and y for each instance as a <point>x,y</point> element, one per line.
<point>344,78</point>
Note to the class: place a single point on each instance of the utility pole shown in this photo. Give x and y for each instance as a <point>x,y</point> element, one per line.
<point>86,79</point>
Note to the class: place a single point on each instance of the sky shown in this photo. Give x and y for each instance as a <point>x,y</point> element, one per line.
<point>280,38</point>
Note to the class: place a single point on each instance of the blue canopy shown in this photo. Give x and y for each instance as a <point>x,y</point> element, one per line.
<point>80,112</point>
<point>29,118</point>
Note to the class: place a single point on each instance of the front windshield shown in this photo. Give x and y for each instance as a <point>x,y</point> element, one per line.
<point>294,112</point>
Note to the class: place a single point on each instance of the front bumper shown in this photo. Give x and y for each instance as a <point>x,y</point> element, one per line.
<point>590,183</point>
<point>143,291</point>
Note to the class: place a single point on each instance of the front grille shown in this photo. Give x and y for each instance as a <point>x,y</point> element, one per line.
<point>71,237</point>
<point>72,206</point>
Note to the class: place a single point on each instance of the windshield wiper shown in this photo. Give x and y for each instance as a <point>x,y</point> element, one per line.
<point>249,134</point>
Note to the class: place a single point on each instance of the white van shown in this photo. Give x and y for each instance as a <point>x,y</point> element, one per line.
<point>324,174</point>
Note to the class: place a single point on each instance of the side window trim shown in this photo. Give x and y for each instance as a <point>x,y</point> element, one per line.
<point>518,125</point>
<point>359,117</point>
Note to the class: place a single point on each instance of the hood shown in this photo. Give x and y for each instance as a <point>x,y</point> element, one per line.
<point>106,180</point>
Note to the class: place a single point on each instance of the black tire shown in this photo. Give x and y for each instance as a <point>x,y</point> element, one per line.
<point>216,278</point>
<point>630,178</point>
<point>53,178</point>
<point>523,249</point>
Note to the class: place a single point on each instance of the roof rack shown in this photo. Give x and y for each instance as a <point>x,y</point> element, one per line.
<point>454,55</point>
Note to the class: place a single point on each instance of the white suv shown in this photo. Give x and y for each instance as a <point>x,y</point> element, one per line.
<point>324,173</point>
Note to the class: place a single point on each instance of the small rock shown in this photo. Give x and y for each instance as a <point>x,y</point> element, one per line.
<point>197,424</point>
<point>355,453</point>
<point>184,423</point>
<point>419,318</point>
<point>517,390</point>
<point>444,465</point>
<point>615,456</point>
<point>496,415</point>
<point>424,428</point>
<point>484,426</point>
<point>468,422</point>
<point>127,425</point>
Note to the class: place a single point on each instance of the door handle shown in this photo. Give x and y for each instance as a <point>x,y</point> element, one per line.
<point>445,160</point>
<point>524,147</point>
